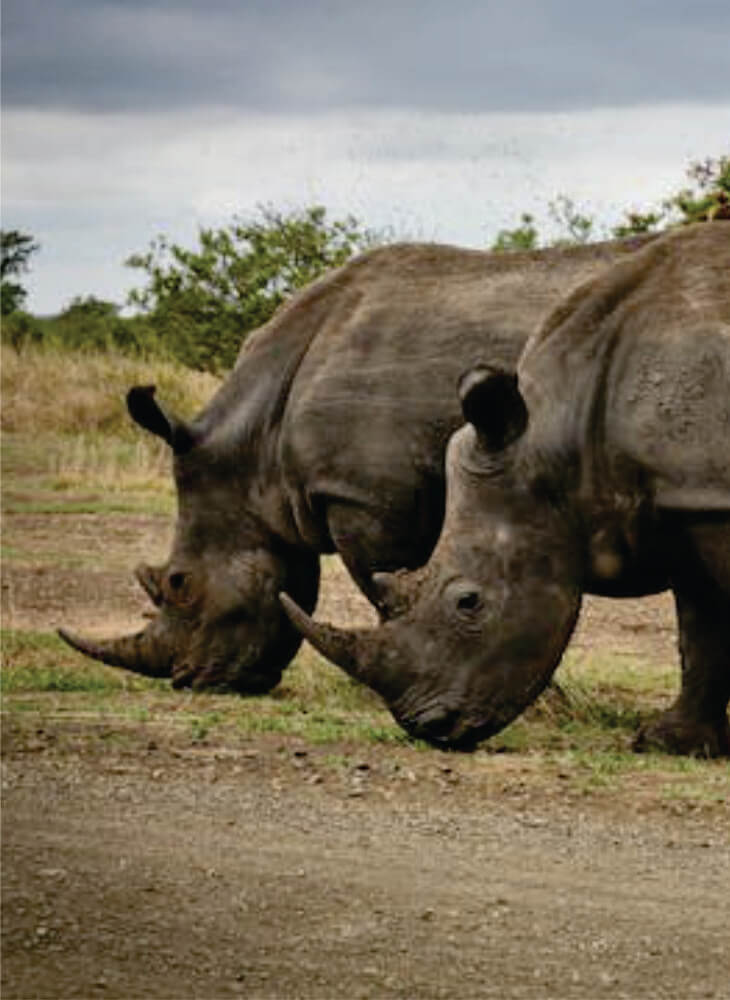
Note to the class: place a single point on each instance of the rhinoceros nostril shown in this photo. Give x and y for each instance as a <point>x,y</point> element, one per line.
<point>436,724</point>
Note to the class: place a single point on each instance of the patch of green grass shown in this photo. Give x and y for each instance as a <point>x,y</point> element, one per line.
<point>201,725</point>
<point>698,792</point>
<point>578,739</point>
<point>86,473</point>
<point>41,662</point>
<point>8,552</point>
<point>331,730</point>
<point>320,710</point>
<point>620,678</point>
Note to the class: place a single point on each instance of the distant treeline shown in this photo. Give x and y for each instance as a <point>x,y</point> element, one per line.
<point>88,324</point>
<point>198,305</point>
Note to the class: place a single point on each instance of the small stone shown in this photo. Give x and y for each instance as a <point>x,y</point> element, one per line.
<point>53,873</point>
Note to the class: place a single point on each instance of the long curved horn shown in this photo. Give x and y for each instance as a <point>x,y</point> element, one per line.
<point>338,645</point>
<point>140,652</point>
<point>365,654</point>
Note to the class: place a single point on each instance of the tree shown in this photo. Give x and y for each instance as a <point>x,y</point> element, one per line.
<point>578,228</point>
<point>705,199</point>
<point>17,248</point>
<point>92,324</point>
<point>522,237</point>
<point>711,198</point>
<point>202,302</point>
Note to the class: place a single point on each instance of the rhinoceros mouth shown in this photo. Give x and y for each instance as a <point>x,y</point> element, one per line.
<point>226,677</point>
<point>448,730</point>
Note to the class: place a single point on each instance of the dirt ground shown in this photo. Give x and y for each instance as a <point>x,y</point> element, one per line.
<point>170,871</point>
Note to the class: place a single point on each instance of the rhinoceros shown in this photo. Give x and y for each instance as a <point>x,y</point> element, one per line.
<point>328,435</point>
<point>602,466</point>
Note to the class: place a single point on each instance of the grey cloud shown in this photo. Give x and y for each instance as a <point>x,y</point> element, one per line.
<point>310,55</point>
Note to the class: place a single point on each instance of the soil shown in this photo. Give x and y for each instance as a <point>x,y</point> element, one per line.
<point>274,869</point>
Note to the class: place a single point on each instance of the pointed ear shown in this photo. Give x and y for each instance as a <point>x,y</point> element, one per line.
<point>492,402</point>
<point>145,411</point>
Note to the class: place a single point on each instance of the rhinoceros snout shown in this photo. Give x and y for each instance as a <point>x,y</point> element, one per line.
<point>444,728</point>
<point>435,725</point>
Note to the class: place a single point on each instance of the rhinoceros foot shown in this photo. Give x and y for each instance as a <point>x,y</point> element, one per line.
<point>674,733</point>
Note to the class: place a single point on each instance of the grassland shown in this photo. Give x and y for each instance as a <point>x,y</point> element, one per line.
<point>70,451</point>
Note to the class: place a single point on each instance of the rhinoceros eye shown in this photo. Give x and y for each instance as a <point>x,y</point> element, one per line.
<point>465,597</point>
<point>179,590</point>
<point>468,601</point>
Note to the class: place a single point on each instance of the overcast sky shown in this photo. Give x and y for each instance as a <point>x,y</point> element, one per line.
<point>440,121</point>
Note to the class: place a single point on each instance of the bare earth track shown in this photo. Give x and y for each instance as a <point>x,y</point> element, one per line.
<point>161,869</point>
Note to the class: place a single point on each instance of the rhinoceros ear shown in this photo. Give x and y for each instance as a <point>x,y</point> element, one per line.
<point>492,402</point>
<point>145,411</point>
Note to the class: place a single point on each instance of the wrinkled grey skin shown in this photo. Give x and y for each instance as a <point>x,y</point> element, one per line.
<point>602,467</point>
<point>328,435</point>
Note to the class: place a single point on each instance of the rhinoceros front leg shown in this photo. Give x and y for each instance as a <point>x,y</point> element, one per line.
<point>697,723</point>
<point>369,541</point>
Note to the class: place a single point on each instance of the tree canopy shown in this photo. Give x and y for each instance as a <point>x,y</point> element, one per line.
<point>16,250</point>
<point>705,198</point>
<point>202,302</point>
<point>197,305</point>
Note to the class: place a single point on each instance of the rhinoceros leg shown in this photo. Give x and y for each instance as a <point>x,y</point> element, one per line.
<point>370,541</point>
<point>697,723</point>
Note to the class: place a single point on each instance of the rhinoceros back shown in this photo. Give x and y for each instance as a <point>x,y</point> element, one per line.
<point>374,398</point>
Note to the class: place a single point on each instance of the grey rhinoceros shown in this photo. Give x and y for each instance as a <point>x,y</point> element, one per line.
<point>602,466</point>
<point>328,435</point>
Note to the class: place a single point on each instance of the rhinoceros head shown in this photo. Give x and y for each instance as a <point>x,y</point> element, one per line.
<point>479,630</point>
<point>218,620</point>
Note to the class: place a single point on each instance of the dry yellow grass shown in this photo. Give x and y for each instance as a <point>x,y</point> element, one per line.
<point>65,411</point>
<point>45,390</point>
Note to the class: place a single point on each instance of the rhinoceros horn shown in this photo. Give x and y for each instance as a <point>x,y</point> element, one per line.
<point>393,599</point>
<point>145,411</point>
<point>362,653</point>
<point>143,652</point>
<point>338,645</point>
